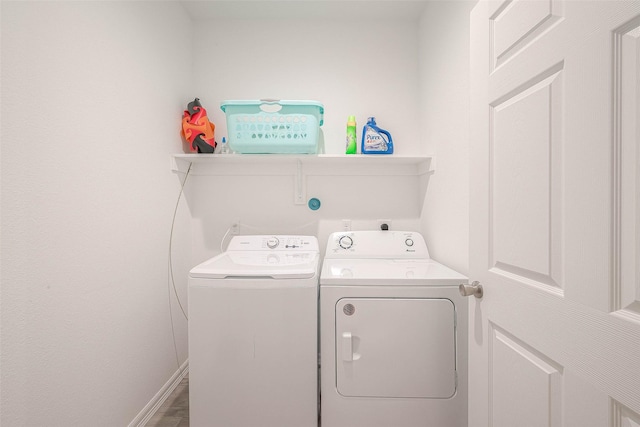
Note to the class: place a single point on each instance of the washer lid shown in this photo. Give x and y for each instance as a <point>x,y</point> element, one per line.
<point>362,272</point>
<point>259,264</point>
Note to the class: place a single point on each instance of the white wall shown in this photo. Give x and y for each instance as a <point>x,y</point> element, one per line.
<point>411,73</point>
<point>92,95</point>
<point>351,66</point>
<point>444,119</point>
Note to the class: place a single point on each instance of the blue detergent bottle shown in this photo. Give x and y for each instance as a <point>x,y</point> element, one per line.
<point>375,140</point>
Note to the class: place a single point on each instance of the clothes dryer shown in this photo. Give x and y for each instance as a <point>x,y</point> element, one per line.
<point>393,334</point>
<point>253,334</point>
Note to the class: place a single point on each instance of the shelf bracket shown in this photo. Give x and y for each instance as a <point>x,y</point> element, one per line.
<point>179,165</point>
<point>299,185</point>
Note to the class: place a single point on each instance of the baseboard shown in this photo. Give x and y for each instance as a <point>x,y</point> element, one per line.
<point>156,402</point>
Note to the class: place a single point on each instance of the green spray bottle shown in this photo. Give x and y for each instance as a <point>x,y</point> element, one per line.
<point>352,140</point>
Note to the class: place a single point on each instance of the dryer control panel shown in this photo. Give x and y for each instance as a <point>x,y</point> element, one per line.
<point>377,244</point>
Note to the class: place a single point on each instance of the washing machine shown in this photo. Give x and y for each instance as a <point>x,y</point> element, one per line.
<point>393,334</point>
<point>253,343</point>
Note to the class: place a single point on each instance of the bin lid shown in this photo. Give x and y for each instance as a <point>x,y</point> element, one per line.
<point>275,102</point>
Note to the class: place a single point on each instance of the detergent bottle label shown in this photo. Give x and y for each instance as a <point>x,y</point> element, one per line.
<point>375,141</point>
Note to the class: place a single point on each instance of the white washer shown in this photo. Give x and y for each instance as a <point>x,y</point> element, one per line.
<point>253,334</point>
<point>393,334</point>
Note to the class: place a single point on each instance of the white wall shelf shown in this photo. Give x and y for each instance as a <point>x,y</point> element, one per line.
<point>301,166</point>
<point>284,164</point>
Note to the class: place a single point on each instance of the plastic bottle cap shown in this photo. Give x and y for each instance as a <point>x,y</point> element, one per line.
<point>351,121</point>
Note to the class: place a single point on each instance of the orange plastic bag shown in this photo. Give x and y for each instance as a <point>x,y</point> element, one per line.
<point>197,129</point>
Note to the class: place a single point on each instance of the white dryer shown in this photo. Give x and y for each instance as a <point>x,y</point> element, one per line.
<point>393,334</point>
<point>253,343</point>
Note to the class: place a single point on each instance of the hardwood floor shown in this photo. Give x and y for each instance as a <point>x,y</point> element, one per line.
<point>174,412</point>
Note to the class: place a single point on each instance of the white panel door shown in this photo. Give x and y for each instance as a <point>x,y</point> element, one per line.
<point>555,217</point>
<point>395,347</point>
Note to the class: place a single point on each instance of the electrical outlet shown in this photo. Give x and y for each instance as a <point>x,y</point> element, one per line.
<point>235,228</point>
<point>384,221</point>
<point>346,225</point>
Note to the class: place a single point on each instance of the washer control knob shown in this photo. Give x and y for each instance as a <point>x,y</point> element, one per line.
<point>345,242</point>
<point>272,242</point>
<point>408,242</point>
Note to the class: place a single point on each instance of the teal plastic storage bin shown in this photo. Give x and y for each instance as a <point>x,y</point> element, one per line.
<point>273,126</point>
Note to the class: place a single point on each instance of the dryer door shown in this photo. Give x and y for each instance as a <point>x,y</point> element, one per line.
<point>395,347</point>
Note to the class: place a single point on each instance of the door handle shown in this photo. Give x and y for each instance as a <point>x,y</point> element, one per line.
<point>347,347</point>
<point>474,289</point>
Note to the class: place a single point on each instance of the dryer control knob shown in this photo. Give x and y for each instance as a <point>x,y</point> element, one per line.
<point>408,242</point>
<point>272,243</point>
<point>345,242</point>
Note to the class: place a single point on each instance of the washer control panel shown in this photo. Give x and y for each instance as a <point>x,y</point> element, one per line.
<point>273,243</point>
<point>377,244</point>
